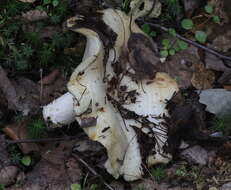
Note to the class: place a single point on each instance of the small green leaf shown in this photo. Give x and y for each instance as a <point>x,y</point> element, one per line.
<point>152,34</point>
<point>209,8</point>
<point>26,160</point>
<point>177,48</point>
<point>75,186</point>
<point>182,45</point>
<point>39,7</point>
<point>166,43</point>
<point>2,187</point>
<point>55,3</point>
<point>187,24</point>
<point>201,36</point>
<point>46,2</point>
<point>164,53</point>
<point>216,19</point>
<point>172,52</point>
<point>146,28</point>
<point>172,32</point>
<point>93,186</point>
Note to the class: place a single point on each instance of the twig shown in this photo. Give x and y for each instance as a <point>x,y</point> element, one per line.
<point>41,85</point>
<point>39,140</point>
<point>92,170</point>
<point>165,29</point>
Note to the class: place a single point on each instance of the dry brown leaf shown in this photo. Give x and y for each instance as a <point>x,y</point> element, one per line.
<point>4,155</point>
<point>34,15</point>
<point>50,78</point>
<point>18,131</point>
<point>221,9</point>
<point>56,170</point>
<point>222,42</point>
<point>8,90</point>
<point>52,91</point>
<point>26,96</point>
<point>202,78</point>
<point>181,66</point>
<point>20,93</point>
<point>8,175</point>
<point>49,31</point>
<point>227,87</point>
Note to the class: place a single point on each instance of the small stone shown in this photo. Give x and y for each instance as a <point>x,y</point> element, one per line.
<point>217,101</point>
<point>196,154</point>
<point>226,186</point>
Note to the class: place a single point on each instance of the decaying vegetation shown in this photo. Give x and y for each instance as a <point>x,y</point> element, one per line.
<point>142,94</point>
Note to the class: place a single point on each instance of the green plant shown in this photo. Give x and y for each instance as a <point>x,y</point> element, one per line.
<point>147,29</point>
<point>37,129</point>
<point>209,9</point>
<point>2,187</point>
<point>93,187</point>
<point>187,24</point>
<point>141,187</point>
<point>158,173</point>
<point>201,36</point>
<point>26,50</point>
<point>76,186</point>
<point>167,48</point>
<point>170,48</point>
<point>125,5</point>
<point>173,8</point>
<point>15,154</point>
<point>182,172</point>
<point>194,172</point>
<point>26,160</point>
<point>222,123</point>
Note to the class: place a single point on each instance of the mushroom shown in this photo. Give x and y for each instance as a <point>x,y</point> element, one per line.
<point>118,100</point>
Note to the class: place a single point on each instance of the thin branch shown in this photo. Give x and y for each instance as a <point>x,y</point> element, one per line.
<point>221,56</point>
<point>92,170</point>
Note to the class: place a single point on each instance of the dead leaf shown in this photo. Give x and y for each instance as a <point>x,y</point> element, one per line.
<point>221,9</point>
<point>181,66</point>
<point>56,170</point>
<point>34,15</point>
<point>8,175</point>
<point>149,184</point>
<point>4,156</point>
<point>222,42</point>
<point>142,56</point>
<point>22,94</point>
<point>227,87</point>
<point>190,6</point>
<point>215,63</point>
<point>50,78</point>
<point>49,31</point>
<point>8,90</point>
<point>52,91</point>
<point>117,185</point>
<point>202,78</point>
<point>19,131</point>
<point>26,96</point>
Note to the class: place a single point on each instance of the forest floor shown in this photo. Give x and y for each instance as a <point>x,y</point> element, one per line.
<point>37,57</point>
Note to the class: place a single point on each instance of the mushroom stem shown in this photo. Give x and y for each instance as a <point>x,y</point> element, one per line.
<point>61,111</point>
